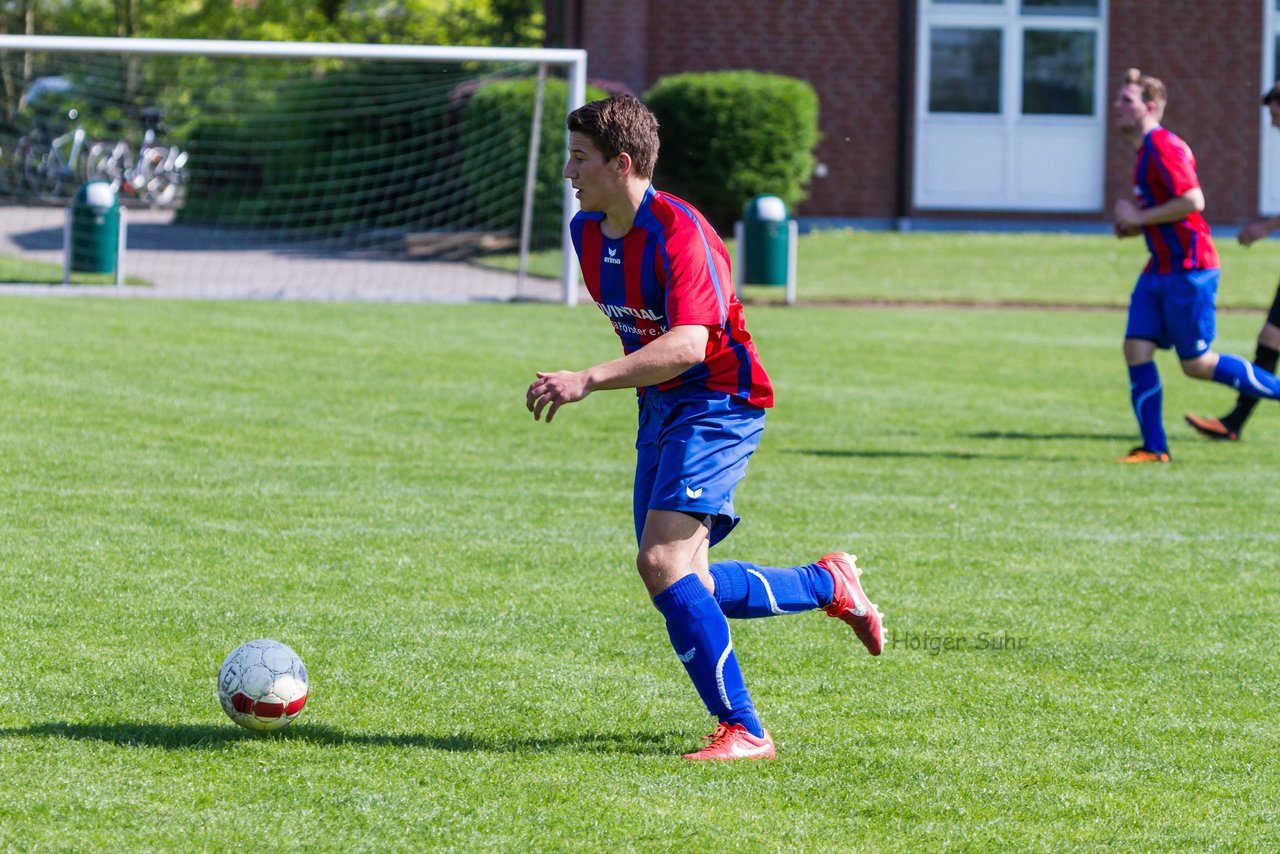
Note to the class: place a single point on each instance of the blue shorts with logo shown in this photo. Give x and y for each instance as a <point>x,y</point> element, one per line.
<point>692,448</point>
<point>1175,310</point>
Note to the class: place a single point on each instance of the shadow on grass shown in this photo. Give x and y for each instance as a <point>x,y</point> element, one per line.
<point>218,737</point>
<point>990,435</point>
<point>1051,437</point>
<point>934,455</point>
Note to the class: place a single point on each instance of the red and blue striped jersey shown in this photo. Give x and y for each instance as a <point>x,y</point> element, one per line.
<point>1166,168</point>
<point>671,269</point>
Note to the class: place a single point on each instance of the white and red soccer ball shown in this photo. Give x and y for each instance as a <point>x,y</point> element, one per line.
<point>262,685</point>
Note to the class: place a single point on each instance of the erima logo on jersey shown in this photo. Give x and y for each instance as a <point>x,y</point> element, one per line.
<point>612,257</point>
<point>688,656</point>
<point>628,311</point>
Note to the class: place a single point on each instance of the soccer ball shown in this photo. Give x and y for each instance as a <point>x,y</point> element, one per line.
<point>262,685</point>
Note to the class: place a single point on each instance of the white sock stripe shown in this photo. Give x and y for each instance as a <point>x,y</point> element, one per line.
<point>724,696</point>
<point>773,603</point>
<point>1142,399</point>
<point>1253,378</point>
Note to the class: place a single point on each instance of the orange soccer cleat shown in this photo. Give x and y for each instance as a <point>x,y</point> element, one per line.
<point>849,602</point>
<point>1212,428</point>
<point>1144,455</point>
<point>734,742</point>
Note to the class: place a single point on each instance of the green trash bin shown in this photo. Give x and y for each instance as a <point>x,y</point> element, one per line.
<point>766,242</point>
<point>95,228</point>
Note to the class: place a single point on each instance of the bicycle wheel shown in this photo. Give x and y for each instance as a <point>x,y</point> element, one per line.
<point>162,189</point>
<point>106,162</point>
<point>41,171</point>
<point>156,184</point>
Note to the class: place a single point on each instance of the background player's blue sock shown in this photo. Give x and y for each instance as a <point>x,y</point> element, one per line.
<point>744,590</point>
<point>700,635</point>
<point>1246,377</point>
<point>1148,405</point>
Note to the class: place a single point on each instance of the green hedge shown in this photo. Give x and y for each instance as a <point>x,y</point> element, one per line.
<point>730,135</point>
<point>501,114</point>
<point>268,166</point>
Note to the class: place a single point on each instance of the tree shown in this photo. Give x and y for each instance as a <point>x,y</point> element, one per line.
<point>471,22</point>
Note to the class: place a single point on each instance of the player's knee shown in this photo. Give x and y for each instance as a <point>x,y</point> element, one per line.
<point>649,563</point>
<point>657,569</point>
<point>1138,351</point>
<point>1200,368</point>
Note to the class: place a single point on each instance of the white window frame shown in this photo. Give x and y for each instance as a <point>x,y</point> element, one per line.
<point>993,162</point>
<point>1269,137</point>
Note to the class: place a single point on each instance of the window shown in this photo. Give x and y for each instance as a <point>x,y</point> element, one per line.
<point>1060,7</point>
<point>1058,72</point>
<point>966,76</point>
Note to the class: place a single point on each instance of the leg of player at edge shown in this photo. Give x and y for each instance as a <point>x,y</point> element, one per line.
<point>1229,427</point>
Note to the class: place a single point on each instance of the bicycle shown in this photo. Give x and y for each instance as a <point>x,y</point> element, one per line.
<point>157,174</point>
<point>50,164</point>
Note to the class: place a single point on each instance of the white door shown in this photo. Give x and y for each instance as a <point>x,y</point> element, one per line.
<point>1010,105</point>
<point>1269,168</point>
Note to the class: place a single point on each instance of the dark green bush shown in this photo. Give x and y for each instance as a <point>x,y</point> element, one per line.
<point>730,135</point>
<point>495,123</point>
<point>455,160</point>
<point>329,136</point>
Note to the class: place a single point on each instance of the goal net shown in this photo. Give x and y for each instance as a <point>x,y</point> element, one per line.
<point>280,170</point>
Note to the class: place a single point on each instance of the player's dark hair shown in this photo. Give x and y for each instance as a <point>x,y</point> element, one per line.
<point>1152,88</point>
<point>617,124</point>
<point>1272,94</point>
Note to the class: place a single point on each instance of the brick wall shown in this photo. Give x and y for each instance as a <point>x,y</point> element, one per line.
<point>1208,54</point>
<point>846,49</point>
<point>1209,57</point>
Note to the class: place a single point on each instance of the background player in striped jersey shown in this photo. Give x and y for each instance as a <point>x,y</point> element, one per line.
<point>659,272</point>
<point>1228,427</point>
<point>1173,301</point>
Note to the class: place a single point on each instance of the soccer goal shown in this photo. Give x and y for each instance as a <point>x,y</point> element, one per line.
<point>297,170</point>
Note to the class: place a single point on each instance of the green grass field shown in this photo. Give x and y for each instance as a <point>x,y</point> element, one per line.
<point>846,265</point>
<point>14,269</point>
<point>1081,656</point>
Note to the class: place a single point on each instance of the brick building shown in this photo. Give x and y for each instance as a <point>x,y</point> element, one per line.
<point>988,109</point>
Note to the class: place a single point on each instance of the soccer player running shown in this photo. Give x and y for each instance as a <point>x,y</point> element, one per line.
<point>1173,301</point>
<point>1228,427</point>
<point>659,272</point>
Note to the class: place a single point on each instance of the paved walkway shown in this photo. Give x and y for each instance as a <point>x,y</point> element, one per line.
<point>183,261</point>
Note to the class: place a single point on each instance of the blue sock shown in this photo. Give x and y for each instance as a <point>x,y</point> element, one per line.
<point>1246,377</point>
<point>700,635</point>
<point>744,590</point>
<point>1148,404</point>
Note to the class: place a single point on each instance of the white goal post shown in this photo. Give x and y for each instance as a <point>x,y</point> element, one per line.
<point>570,62</point>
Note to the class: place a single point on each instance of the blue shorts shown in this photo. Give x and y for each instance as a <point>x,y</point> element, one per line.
<point>1175,309</point>
<point>692,448</point>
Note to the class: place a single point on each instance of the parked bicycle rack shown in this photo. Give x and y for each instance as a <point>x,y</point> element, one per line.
<point>94,235</point>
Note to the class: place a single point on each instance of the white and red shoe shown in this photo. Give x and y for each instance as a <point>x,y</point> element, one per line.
<point>850,604</point>
<point>734,742</point>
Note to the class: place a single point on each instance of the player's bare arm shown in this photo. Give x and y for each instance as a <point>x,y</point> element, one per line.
<point>1129,216</point>
<point>1255,231</point>
<point>667,356</point>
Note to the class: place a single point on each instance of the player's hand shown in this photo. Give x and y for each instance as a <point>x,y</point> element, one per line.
<point>1128,218</point>
<point>553,390</point>
<point>1252,233</point>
